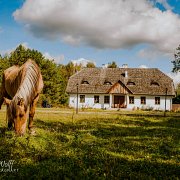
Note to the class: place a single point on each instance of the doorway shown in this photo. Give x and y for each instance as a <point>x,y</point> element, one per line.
<point>119,101</point>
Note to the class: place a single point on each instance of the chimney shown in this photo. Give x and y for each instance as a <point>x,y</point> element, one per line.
<point>126,74</point>
<point>104,66</point>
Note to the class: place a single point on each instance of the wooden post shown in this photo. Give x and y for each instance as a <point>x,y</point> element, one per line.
<point>77,98</point>
<point>165,102</point>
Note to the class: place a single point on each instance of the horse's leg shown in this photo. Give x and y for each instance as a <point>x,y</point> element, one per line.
<point>31,114</point>
<point>10,125</point>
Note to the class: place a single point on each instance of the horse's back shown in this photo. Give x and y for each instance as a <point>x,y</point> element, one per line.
<point>11,80</point>
<point>14,77</point>
<point>36,71</point>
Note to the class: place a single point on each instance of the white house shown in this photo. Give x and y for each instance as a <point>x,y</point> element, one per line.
<point>128,88</point>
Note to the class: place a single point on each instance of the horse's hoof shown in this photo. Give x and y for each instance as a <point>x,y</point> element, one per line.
<point>10,128</point>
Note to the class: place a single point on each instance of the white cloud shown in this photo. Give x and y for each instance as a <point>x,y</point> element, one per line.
<point>102,23</point>
<point>82,61</point>
<point>8,51</point>
<point>175,77</point>
<point>143,66</point>
<point>48,56</point>
<point>151,53</point>
<point>57,59</point>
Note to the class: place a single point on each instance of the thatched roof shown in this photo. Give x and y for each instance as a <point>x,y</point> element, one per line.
<point>138,81</point>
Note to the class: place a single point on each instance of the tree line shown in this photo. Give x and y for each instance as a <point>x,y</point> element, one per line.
<point>176,69</point>
<point>55,76</point>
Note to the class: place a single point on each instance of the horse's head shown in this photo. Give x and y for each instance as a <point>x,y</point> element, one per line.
<point>17,114</point>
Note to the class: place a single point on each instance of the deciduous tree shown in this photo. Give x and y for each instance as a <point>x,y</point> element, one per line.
<point>112,65</point>
<point>176,62</point>
<point>90,65</point>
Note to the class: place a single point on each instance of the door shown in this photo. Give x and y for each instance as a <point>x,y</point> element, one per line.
<point>119,101</point>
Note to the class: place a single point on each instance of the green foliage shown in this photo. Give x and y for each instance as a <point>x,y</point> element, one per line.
<point>4,64</point>
<point>96,145</point>
<point>176,100</point>
<point>176,62</point>
<point>66,72</point>
<point>178,89</point>
<point>112,65</point>
<point>90,65</point>
<point>53,77</point>
<point>69,69</point>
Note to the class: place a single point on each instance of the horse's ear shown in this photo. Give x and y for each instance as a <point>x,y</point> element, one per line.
<point>21,102</point>
<point>7,101</point>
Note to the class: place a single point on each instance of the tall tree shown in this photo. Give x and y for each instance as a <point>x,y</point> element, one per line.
<point>176,100</point>
<point>90,65</point>
<point>19,55</point>
<point>112,65</point>
<point>69,69</point>
<point>176,68</point>
<point>4,64</point>
<point>176,62</point>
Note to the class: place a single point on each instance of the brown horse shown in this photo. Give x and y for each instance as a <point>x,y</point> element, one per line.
<point>20,91</point>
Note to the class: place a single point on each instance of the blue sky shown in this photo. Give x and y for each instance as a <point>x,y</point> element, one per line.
<point>138,33</point>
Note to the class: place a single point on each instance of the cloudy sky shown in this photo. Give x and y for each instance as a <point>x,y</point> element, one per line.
<point>141,33</point>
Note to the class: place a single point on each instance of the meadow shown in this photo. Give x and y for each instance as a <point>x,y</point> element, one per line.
<point>93,145</point>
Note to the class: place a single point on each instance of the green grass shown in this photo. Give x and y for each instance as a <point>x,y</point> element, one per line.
<point>94,145</point>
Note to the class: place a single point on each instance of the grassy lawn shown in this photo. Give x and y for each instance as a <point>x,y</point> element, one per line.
<point>94,145</point>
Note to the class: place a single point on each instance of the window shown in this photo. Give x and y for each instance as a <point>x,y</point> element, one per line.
<point>82,98</point>
<point>96,99</point>
<point>131,83</point>
<point>157,100</point>
<point>131,99</point>
<point>154,83</point>
<point>143,100</point>
<point>106,99</point>
<point>107,83</point>
<point>84,82</point>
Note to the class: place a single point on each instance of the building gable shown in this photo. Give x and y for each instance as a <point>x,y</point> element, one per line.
<point>119,88</point>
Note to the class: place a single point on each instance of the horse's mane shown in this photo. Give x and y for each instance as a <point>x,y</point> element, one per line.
<point>28,76</point>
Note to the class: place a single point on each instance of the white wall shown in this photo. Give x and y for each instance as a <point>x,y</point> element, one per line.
<point>89,101</point>
<point>150,102</point>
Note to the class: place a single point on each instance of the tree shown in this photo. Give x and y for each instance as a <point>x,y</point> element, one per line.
<point>176,100</point>
<point>112,65</point>
<point>4,64</point>
<point>19,55</point>
<point>69,69</point>
<point>176,62</point>
<point>176,69</point>
<point>90,65</point>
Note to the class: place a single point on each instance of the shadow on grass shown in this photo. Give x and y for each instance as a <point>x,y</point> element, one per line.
<point>154,114</point>
<point>93,163</point>
<point>116,149</point>
<point>141,127</point>
<point>169,122</point>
